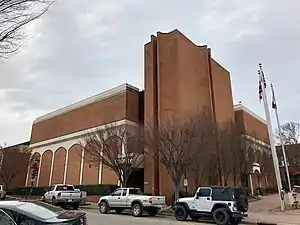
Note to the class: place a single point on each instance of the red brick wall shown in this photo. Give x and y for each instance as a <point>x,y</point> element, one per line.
<point>251,126</point>
<point>45,169</point>
<point>121,106</point>
<point>184,88</point>
<point>59,166</point>
<point>222,92</point>
<point>74,163</point>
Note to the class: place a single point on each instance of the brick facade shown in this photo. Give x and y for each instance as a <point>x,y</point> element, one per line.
<point>181,78</point>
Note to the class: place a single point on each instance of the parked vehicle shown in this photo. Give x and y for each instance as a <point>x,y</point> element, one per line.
<point>63,195</point>
<point>37,212</point>
<point>131,198</point>
<point>224,205</point>
<point>2,192</point>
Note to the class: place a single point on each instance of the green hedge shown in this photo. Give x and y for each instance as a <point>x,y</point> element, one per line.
<point>100,189</point>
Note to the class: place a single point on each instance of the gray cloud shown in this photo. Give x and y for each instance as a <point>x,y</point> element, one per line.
<point>81,48</point>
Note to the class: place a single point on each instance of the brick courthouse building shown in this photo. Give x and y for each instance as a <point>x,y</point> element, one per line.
<point>178,75</point>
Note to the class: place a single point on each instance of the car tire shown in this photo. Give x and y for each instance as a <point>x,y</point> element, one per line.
<point>76,206</point>
<point>53,201</point>
<point>221,216</point>
<point>103,207</point>
<point>137,210</point>
<point>152,212</point>
<point>119,211</point>
<point>181,213</point>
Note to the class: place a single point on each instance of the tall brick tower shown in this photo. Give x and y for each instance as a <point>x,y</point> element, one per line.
<point>181,78</point>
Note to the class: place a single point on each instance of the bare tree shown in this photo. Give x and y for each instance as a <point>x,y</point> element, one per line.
<point>290,133</point>
<point>118,147</point>
<point>14,162</point>
<point>14,16</point>
<point>176,143</point>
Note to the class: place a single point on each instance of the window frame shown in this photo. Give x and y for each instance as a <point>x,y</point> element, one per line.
<point>198,193</point>
<point>119,189</point>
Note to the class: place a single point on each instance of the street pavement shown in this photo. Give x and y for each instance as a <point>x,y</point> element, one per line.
<point>95,218</point>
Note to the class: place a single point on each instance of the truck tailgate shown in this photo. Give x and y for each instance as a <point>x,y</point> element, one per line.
<point>70,195</point>
<point>158,200</point>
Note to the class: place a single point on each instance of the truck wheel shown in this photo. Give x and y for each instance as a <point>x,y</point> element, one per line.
<point>119,211</point>
<point>137,210</point>
<point>181,213</point>
<point>221,216</point>
<point>53,201</point>
<point>152,212</point>
<point>103,208</point>
<point>75,206</point>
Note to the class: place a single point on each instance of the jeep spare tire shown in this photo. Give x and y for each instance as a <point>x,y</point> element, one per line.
<point>221,216</point>
<point>242,203</point>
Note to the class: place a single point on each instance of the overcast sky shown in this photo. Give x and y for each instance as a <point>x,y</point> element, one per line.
<point>81,48</point>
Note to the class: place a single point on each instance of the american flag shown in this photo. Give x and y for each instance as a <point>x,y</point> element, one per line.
<point>261,80</point>
<point>274,104</point>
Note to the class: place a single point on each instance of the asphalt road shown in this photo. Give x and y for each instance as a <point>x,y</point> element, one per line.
<point>95,218</point>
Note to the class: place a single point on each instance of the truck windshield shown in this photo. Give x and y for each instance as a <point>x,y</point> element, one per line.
<point>135,191</point>
<point>65,188</point>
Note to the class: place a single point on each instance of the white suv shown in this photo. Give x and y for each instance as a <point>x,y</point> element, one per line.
<point>225,205</point>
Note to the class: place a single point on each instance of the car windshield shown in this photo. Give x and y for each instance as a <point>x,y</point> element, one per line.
<point>135,191</point>
<point>41,210</point>
<point>65,188</point>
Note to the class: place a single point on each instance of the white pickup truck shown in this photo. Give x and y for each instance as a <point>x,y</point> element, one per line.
<point>131,198</point>
<point>61,194</point>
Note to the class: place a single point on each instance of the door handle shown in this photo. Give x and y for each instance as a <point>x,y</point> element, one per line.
<point>118,197</point>
<point>208,198</point>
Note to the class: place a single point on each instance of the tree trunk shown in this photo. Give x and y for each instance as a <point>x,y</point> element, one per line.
<point>176,190</point>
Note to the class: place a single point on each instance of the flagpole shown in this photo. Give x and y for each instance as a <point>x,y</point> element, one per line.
<point>281,140</point>
<point>271,137</point>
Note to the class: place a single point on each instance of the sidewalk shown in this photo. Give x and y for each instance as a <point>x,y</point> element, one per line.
<point>267,210</point>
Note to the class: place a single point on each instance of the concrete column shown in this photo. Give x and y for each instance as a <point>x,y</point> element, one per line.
<point>51,169</point>
<point>66,166</point>
<point>28,171</point>
<point>81,166</point>
<point>100,171</point>
<point>38,177</point>
<point>251,184</point>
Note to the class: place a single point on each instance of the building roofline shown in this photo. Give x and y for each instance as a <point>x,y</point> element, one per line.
<point>25,143</point>
<point>239,107</point>
<point>101,96</point>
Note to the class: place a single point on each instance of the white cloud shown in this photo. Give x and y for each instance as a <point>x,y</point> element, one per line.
<point>80,48</point>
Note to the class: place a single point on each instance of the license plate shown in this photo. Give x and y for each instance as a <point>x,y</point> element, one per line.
<point>69,200</point>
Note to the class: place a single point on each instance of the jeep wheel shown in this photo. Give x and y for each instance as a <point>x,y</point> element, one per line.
<point>137,210</point>
<point>221,216</point>
<point>181,213</point>
<point>103,208</point>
